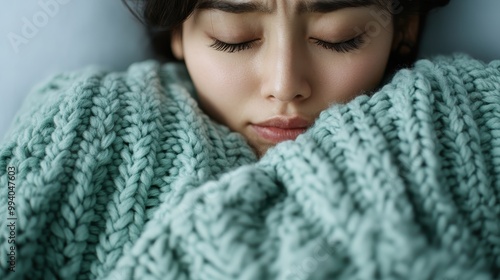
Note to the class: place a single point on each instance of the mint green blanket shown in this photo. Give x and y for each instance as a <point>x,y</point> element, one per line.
<point>121,176</point>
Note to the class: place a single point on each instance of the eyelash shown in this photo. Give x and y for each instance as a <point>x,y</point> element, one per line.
<point>230,48</point>
<point>341,47</point>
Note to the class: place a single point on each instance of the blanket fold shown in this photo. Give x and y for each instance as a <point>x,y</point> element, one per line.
<point>122,176</point>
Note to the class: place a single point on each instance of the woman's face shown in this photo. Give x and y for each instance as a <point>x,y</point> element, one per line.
<point>267,68</point>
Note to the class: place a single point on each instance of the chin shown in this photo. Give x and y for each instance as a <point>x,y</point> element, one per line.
<point>260,152</point>
<point>258,146</point>
<point>258,149</point>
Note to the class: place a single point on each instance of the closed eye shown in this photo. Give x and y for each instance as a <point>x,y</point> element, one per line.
<point>231,48</point>
<point>342,47</point>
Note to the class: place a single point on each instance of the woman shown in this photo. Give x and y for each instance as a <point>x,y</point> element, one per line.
<point>278,64</point>
<point>282,144</point>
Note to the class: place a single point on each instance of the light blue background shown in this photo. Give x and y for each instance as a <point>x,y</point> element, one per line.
<point>103,32</point>
<point>82,32</point>
<point>470,26</point>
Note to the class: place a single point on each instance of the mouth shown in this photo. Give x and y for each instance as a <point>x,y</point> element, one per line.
<point>281,128</point>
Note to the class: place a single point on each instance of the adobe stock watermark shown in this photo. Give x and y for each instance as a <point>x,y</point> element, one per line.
<point>322,252</point>
<point>31,26</point>
<point>382,18</point>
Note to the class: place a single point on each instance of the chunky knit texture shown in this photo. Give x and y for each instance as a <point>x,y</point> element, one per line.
<point>121,176</point>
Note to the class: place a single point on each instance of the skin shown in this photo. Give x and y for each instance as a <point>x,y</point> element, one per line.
<point>285,72</point>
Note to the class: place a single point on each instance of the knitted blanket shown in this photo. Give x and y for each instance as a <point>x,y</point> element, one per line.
<point>109,175</point>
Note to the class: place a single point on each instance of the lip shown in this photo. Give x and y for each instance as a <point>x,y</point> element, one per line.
<point>281,128</point>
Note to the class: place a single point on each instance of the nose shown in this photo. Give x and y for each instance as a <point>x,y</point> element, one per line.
<point>285,72</point>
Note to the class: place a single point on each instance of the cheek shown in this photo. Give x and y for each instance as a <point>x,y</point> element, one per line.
<point>354,74</point>
<point>222,84</point>
<point>364,73</point>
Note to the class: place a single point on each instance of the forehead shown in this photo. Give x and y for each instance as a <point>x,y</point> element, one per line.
<point>269,6</point>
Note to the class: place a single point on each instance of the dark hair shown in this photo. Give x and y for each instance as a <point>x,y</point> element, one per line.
<point>161,17</point>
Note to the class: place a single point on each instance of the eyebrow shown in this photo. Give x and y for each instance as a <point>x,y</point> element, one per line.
<point>327,6</point>
<point>233,7</point>
<point>318,6</point>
